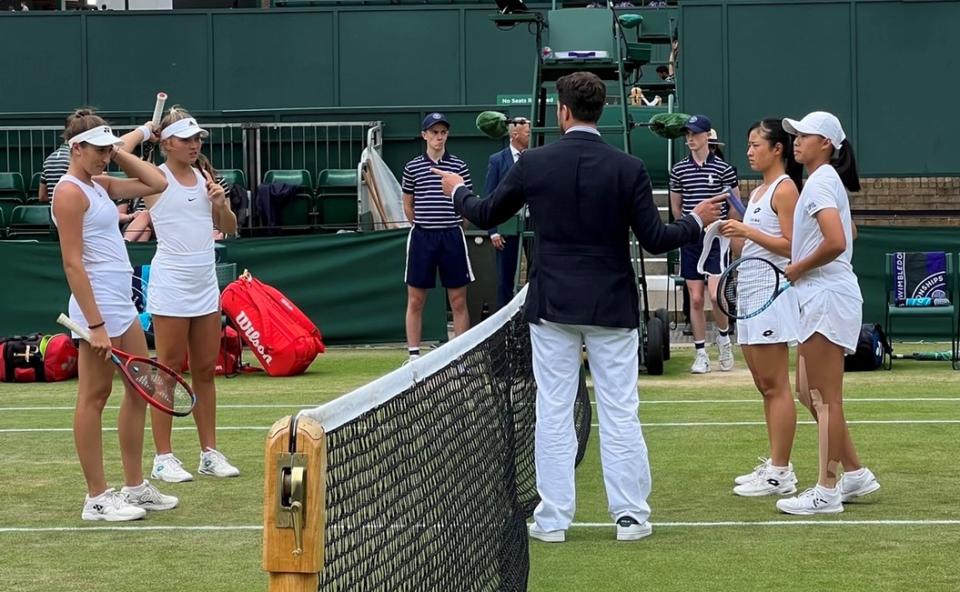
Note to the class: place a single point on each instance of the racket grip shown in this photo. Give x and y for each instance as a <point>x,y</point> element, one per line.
<point>73,326</point>
<point>158,107</point>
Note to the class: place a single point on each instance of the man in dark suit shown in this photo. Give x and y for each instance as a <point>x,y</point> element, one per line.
<point>584,197</point>
<point>506,237</point>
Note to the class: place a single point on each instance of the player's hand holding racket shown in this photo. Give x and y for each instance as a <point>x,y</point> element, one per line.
<point>158,385</point>
<point>748,286</point>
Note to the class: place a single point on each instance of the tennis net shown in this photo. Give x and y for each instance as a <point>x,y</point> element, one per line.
<point>430,470</point>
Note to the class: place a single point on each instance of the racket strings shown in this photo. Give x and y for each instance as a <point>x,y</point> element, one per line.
<point>749,287</point>
<point>161,385</point>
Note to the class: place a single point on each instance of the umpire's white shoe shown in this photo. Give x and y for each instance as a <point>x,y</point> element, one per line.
<point>701,363</point>
<point>547,536</point>
<point>147,497</point>
<point>111,506</point>
<point>857,484</point>
<point>628,529</point>
<point>213,462</point>
<point>168,467</point>
<point>815,500</point>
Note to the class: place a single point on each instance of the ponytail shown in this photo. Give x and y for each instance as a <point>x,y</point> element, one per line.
<point>845,164</point>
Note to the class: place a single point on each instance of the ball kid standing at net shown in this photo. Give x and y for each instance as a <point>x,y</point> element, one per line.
<point>184,296</point>
<point>766,232</point>
<point>830,306</point>
<point>99,274</point>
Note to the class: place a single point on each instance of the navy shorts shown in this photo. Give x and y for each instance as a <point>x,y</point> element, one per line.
<point>690,256</point>
<point>431,250</point>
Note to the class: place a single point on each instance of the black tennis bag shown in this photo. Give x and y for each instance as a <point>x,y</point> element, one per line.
<point>872,347</point>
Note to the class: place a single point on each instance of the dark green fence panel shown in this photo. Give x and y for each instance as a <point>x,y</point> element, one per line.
<point>44,75</point>
<point>874,63</point>
<point>128,61</point>
<point>274,59</point>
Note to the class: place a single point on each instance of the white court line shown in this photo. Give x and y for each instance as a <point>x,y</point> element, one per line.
<point>642,402</point>
<point>672,424</point>
<point>718,524</point>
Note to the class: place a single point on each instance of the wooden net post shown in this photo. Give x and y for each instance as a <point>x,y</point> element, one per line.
<point>294,505</point>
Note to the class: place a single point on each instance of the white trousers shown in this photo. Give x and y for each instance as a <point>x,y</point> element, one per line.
<point>623,453</point>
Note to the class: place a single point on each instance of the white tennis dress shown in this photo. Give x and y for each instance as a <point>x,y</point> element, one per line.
<point>830,299</point>
<point>778,323</point>
<point>183,277</point>
<point>104,259</point>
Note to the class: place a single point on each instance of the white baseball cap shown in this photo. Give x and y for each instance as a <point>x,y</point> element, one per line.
<point>184,128</point>
<point>818,123</point>
<point>101,135</point>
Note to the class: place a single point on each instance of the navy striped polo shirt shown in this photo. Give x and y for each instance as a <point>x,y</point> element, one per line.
<point>431,208</point>
<point>697,183</point>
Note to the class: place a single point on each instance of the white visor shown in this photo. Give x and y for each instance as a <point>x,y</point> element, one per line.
<point>819,123</point>
<point>183,128</point>
<point>101,135</point>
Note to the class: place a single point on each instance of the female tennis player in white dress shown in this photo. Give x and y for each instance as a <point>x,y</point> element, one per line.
<point>183,296</point>
<point>765,339</point>
<point>98,271</point>
<point>830,306</point>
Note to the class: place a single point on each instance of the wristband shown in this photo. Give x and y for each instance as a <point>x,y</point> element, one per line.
<point>147,134</point>
<point>97,326</point>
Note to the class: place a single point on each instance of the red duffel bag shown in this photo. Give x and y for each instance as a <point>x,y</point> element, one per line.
<point>283,338</point>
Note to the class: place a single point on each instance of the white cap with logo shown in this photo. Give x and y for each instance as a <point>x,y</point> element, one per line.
<point>819,123</point>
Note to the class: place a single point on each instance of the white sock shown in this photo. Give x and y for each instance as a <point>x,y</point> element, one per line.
<point>723,339</point>
<point>855,474</point>
<point>827,490</point>
<point>780,469</point>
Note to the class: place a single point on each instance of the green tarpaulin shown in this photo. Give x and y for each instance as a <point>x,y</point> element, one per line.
<point>351,285</point>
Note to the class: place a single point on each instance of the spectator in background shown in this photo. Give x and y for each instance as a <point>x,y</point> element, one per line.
<point>506,238</point>
<point>436,241</point>
<point>54,167</point>
<point>698,177</point>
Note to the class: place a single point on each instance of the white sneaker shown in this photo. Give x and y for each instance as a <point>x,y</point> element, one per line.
<point>147,497</point>
<point>628,529</point>
<point>726,356</point>
<point>812,501</point>
<point>110,506</point>
<point>768,481</point>
<point>547,536</point>
<point>167,467</point>
<point>212,462</point>
<point>852,487</point>
<point>764,463</point>
<point>701,364</point>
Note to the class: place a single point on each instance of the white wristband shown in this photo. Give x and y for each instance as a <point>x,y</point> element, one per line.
<point>147,134</point>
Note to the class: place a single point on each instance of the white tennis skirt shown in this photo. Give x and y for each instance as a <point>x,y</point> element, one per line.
<point>183,291</point>
<point>113,291</point>
<point>777,324</point>
<point>837,317</point>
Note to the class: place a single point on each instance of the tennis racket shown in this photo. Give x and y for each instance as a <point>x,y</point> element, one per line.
<point>748,286</point>
<point>160,386</point>
<point>157,114</point>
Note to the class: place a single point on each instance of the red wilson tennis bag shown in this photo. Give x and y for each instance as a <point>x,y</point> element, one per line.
<point>283,338</point>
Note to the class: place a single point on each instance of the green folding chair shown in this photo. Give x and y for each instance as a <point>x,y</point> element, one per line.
<point>895,315</point>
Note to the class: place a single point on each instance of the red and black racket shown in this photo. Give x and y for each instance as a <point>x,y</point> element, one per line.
<point>158,385</point>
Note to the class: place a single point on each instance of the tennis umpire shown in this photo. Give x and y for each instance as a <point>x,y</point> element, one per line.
<point>584,197</point>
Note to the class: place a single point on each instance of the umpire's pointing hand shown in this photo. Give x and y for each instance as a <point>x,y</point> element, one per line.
<point>450,181</point>
<point>709,210</point>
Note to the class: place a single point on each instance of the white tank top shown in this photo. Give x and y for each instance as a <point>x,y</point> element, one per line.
<point>103,246</point>
<point>760,215</point>
<point>183,220</point>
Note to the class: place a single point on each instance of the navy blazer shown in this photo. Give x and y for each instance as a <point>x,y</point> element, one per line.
<point>584,197</point>
<point>498,166</point>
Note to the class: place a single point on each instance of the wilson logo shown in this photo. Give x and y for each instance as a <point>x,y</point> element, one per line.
<point>253,336</point>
